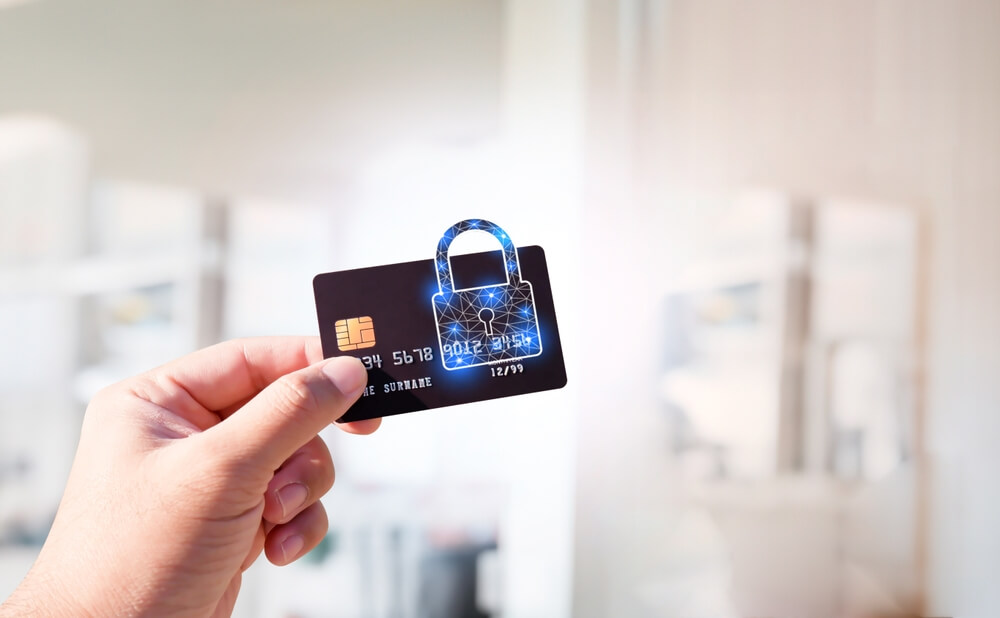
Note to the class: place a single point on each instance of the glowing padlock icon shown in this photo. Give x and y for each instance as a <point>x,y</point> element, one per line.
<point>489,324</point>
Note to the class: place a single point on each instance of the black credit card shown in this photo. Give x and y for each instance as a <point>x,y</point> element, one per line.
<point>445,331</point>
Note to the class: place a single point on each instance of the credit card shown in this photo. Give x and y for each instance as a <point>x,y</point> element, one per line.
<point>445,331</point>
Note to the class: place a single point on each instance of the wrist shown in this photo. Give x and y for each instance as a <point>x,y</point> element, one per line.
<point>35,597</point>
<point>44,593</point>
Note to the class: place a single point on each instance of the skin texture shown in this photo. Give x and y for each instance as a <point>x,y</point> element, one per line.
<point>186,473</point>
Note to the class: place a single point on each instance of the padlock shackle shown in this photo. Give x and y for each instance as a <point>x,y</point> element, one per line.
<point>512,266</point>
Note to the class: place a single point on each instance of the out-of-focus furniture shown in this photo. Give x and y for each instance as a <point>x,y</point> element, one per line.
<point>792,384</point>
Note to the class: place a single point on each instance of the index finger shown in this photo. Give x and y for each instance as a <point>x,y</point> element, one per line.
<point>233,371</point>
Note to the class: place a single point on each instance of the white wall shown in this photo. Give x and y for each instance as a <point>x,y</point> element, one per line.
<point>263,100</point>
<point>895,100</point>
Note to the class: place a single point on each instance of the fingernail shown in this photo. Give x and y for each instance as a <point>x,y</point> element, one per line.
<point>291,497</point>
<point>291,547</point>
<point>347,374</point>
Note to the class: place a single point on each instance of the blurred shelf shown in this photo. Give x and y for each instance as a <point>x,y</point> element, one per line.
<point>792,491</point>
<point>722,272</point>
<point>102,274</point>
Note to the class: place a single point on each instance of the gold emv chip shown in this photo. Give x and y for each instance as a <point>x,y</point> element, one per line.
<point>355,333</point>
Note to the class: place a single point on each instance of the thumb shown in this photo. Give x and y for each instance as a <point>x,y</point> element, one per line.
<point>269,428</point>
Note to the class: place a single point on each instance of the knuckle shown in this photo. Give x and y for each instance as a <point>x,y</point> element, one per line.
<point>331,478</point>
<point>99,404</point>
<point>314,466</point>
<point>293,396</point>
<point>322,520</point>
<point>324,475</point>
<point>103,395</point>
<point>321,462</point>
<point>111,394</point>
<point>105,405</point>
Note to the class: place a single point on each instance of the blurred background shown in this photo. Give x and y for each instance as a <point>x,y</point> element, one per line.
<point>772,236</point>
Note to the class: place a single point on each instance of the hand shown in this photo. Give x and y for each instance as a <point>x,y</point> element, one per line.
<point>185,474</point>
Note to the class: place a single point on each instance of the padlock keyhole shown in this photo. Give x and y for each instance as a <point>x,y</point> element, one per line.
<point>486,316</point>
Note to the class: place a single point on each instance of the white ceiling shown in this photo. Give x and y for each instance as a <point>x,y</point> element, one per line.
<point>288,99</point>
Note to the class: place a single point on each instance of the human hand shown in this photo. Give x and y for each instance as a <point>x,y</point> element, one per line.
<point>186,473</point>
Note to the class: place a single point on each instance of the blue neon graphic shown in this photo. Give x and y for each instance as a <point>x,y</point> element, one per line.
<point>465,338</point>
